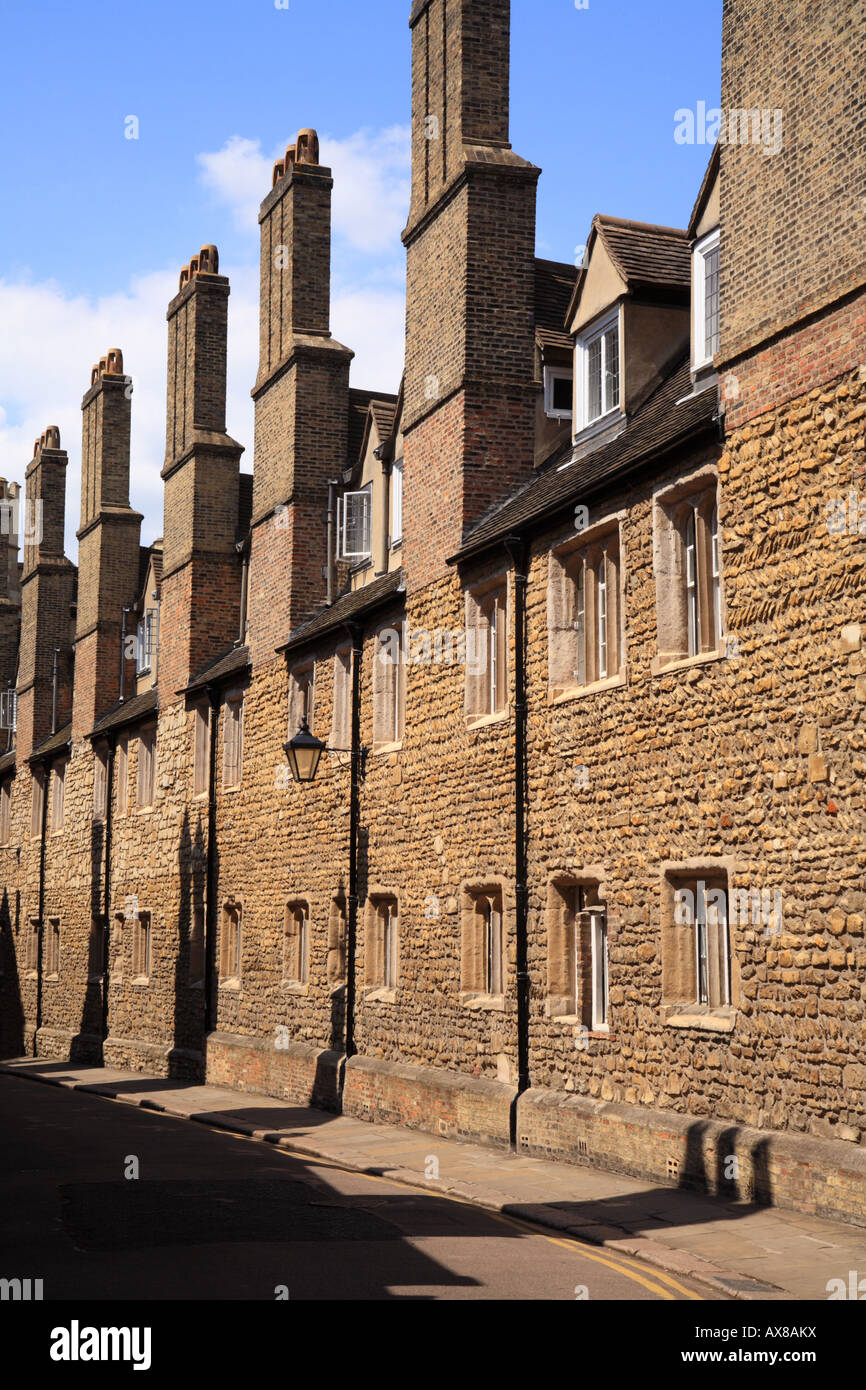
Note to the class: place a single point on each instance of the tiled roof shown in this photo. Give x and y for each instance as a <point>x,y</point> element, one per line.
<point>231,663</point>
<point>353,605</point>
<point>359,405</point>
<point>554,286</point>
<point>128,713</point>
<point>384,414</point>
<point>646,254</point>
<point>658,426</point>
<point>706,184</point>
<point>55,744</point>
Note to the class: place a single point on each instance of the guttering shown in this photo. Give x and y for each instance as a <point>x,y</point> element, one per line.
<point>518,550</point>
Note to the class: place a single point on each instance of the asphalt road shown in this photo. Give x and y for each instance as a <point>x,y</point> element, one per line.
<point>214,1216</point>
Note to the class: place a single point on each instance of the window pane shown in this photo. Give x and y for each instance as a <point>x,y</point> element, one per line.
<point>611,368</point>
<point>580,624</point>
<point>562,394</point>
<point>594,380</point>
<point>711,302</point>
<point>602,618</point>
<point>691,575</point>
<point>397,502</point>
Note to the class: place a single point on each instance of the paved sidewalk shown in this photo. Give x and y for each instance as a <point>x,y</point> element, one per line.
<point>733,1249</point>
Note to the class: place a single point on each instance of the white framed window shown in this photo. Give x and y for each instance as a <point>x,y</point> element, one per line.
<point>598,368</point>
<point>147,638</point>
<point>9,710</point>
<point>397,502</point>
<point>558,393</point>
<point>585,613</point>
<point>705,299</point>
<point>355,524</point>
<point>696,942</point>
<point>597,935</point>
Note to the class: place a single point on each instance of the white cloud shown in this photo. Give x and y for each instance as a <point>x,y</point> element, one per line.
<point>371,184</point>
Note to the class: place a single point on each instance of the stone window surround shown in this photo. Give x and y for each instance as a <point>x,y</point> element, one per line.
<point>338,918</point>
<point>380,993</point>
<point>58,795</point>
<point>297,685</point>
<point>341,714</point>
<point>51,951</point>
<point>100,781</point>
<point>38,791</point>
<point>603,526</point>
<point>678,1013</point>
<point>196,980</point>
<point>233,749</point>
<point>665,500</point>
<point>493,578</point>
<point>556,1006</point>
<point>31,959</point>
<point>122,755</point>
<point>232,908</point>
<point>5,812</point>
<point>202,715</point>
<point>145,788</point>
<point>297,983</point>
<point>142,947</point>
<point>479,999</point>
<point>381,688</point>
<point>117,945</point>
<point>98,927</point>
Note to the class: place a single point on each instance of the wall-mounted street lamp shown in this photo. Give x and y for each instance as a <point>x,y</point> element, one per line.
<point>303,752</point>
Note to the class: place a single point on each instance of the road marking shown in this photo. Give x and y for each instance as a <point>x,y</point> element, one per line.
<point>620,1264</point>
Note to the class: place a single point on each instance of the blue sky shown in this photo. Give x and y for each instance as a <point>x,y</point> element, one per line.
<point>96,226</point>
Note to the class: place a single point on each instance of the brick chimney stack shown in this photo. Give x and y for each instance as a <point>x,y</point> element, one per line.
<point>108,541</point>
<point>470,243</point>
<point>301,399</point>
<point>10,584</point>
<point>47,593</point>
<point>201,580</point>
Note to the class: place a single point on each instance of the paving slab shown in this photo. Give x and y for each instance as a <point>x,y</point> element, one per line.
<point>734,1249</point>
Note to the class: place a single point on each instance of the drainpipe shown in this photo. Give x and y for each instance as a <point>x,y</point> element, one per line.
<point>54,691</point>
<point>41,936</point>
<point>106,891</point>
<point>331,565</point>
<point>210,879</point>
<point>356,634</point>
<point>517,549</point>
<point>245,573</point>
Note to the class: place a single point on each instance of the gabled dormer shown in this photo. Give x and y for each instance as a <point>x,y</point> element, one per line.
<point>706,308</point>
<point>370,505</point>
<point>630,319</point>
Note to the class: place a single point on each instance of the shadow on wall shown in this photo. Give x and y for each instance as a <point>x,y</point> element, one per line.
<point>726,1167</point>
<point>187,1057</point>
<point>11,1006</point>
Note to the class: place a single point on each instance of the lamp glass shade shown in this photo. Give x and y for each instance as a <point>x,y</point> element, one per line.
<point>303,752</point>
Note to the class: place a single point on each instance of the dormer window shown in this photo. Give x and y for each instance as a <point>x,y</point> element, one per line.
<point>147,638</point>
<point>558,389</point>
<point>355,524</point>
<point>598,371</point>
<point>397,503</point>
<point>705,296</point>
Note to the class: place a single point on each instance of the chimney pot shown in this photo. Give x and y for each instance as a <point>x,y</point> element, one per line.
<point>52,437</point>
<point>279,170</point>
<point>307,147</point>
<point>209,260</point>
<point>184,277</point>
<point>290,158</point>
<point>115,362</point>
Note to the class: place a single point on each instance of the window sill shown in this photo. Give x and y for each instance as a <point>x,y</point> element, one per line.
<point>560,695</point>
<point>144,810</point>
<point>665,665</point>
<point>594,428</point>
<point>481,721</point>
<point>483,1003</point>
<point>55,833</point>
<point>388,747</point>
<point>31,974</point>
<point>51,979</point>
<point>233,986</point>
<point>235,787</point>
<point>717,1021</point>
<point>295,987</point>
<point>140,981</point>
<point>380,995</point>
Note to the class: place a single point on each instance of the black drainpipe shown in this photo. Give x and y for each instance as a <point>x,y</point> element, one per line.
<point>106,894</point>
<point>356,634</point>
<point>41,932</point>
<point>517,550</point>
<point>210,879</point>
